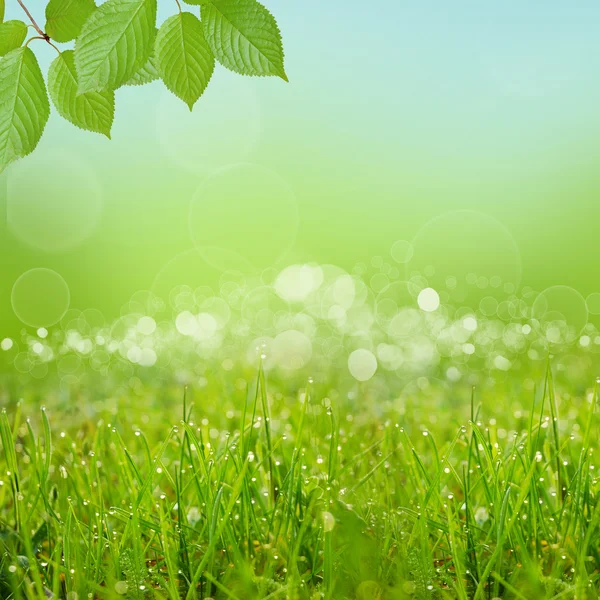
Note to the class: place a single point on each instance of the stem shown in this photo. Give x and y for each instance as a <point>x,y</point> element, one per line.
<point>36,37</point>
<point>45,36</point>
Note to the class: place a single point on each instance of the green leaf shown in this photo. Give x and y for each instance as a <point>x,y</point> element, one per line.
<point>93,111</point>
<point>244,37</point>
<point>24,105</point>
<point>184,59</point>
<point>147,74</point>
<point>12,35</point>
<point>2,10</point>
<point>115,43</point>
<point>65,18</point>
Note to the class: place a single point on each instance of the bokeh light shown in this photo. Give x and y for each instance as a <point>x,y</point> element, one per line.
<point>304,319</point>
<point>362,364</point>
<point>560,313</point>
<point>40,297</point>
<point>468,254</point>
<point>54,201</point>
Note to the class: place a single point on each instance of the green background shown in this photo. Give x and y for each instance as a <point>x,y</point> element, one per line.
<point>395,113</point>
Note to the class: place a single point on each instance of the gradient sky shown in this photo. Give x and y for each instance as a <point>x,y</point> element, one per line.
<point>396,113</point>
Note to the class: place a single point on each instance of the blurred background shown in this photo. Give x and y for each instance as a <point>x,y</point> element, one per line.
<point>469,130</point>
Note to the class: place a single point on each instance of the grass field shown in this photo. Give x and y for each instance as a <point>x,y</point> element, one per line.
<point>309,437</point>
<point>271,491</point>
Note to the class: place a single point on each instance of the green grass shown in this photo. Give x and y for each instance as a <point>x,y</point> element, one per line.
<point>276,489</point>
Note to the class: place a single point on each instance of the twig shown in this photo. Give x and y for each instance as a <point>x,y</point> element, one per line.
<point>44,35</point>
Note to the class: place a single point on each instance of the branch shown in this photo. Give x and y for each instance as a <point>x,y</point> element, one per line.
<point>35,25</point>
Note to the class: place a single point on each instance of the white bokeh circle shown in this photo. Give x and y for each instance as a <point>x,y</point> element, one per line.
<point>560,313</point>
<point>40,297</point>
<point>54,201</point>
<point>362,364</point>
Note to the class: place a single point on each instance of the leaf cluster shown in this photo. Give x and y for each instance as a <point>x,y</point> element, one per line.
<point>119,43</point>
